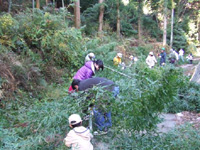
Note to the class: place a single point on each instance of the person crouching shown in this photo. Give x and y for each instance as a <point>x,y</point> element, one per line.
<point>79,137</point>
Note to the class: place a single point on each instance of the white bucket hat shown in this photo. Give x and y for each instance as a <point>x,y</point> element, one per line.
<point>150,53</point>
<point>119,55</point>
<point>91,55</point>
<point>74,119</point>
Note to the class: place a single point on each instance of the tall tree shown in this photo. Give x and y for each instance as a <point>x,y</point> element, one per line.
<point>199,28</point>
<point>101,13</point>
<point>77,14</point>
<point>38,4</point>
<point>47,2</point>
<point>9,6</point>
<point>172,24</point>
<point>140,12</point>
<point>63,4</point>
<point>165,23</point>
<point>33,4</point>
<point>118,18</point>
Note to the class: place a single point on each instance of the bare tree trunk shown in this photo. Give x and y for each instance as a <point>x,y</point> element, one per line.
<point>118,20</point>
<point>101,17</point>
<point>139,20</point>
<point>172,25</point>
<point>77,14</point>
<point>63,4</point>
<point>47,2</point>
<point>165,23</point>
<point>9,6</point>
<point>1,2</point>
<point>38,4</point>
<point>33,4</point>
<point>199,28</point>
<point>196,74</point>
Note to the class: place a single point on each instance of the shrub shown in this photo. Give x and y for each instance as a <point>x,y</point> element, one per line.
<point>177,139</point>
<point>188,100</point>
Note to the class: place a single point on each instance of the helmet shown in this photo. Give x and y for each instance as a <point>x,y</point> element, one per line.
<point>74,119</point>
<point>119,55</point>
<point>163,49</point>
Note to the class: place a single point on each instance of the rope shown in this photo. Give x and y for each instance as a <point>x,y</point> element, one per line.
<point>118,72</point>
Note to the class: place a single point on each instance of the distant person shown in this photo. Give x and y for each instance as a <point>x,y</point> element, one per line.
<point>181,53</point>
<point>90,57</point>
<point>88,70</point>
<point>173,56</point>
<point>117,59</point>
<point>102,119</point>
<point>79,137</point>
<point>163,56</point>
<point>190,58</point>
<point>151,60</point>
<point>131,60</point>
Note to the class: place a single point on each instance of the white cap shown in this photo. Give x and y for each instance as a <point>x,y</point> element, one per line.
<point>74,119</point>
<point>150,53</point>
<point>119,55</point>
<point>91,55</point>
<point>131,56</point>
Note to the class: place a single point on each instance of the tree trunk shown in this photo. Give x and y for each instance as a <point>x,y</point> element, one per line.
<point>165,23</point>
<point>1,3</point>
<point>196,74</point>
<point>199,28</point>
<point>63,4</point>
<point>140,20</point>
<point>118,20</point>
<point>77,14</point>
<point>38,4</point>
<point>101,17</point>
<point>9,6</point>
<point>33,3</point>
<point>47,2</point>
<point>172,25</point>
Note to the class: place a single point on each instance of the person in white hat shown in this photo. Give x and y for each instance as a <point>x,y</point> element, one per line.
<point>79,137</point>
<point>151,60</point>
<point>90,57</point>
<point>117,59</point>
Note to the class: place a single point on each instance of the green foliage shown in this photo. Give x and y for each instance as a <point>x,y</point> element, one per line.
<point>180,40</point>
<point>8,30</point>
<point>177,139</point>
<point>90,19</point>
<point>152,27</point>
<point>188,100</point>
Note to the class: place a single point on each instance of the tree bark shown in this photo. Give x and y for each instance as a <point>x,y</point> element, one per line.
<point>47,2</point>
<point>33,4</point>
<point>77,14</point>
<point>118,20</point>
<point>9,6</point>
<point>1,2</point>
<point>199,28</point>
<point>140,20</point>
<point>38,4</point>
<point>101,17</point>
<point>63,4</point>
<point>172,25</point>
<point>196,74</point>
<point>165,23</point>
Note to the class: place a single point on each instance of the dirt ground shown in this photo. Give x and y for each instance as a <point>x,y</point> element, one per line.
<point>170,121</point>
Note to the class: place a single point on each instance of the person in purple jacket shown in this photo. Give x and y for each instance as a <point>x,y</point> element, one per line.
<point>88,70</point>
